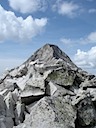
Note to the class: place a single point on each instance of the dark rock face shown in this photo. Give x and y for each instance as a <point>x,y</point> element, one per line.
<point>48,90</point>
<point>86,113</point>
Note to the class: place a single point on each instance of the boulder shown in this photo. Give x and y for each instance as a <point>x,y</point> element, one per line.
<point>63,77</point>
<point>86,113</point>
<point>50,112</point>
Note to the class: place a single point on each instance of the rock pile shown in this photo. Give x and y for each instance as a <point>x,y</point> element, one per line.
<point>48,91</point>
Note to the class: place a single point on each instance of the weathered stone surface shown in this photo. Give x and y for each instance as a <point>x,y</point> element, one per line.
<point>80,95</point>
<point>2,106</point>
<point>49,54</point>
<point>19,113</point>
<point>10,104</point>
<point>2,122</point>
<point>51,112</point>
<point>86,113</point>
<point>4,92</point>
<point>9,122</point>
<point>5,120</point>
<point>48,91</point>
<point>62,77</point>
<point>88,84</point>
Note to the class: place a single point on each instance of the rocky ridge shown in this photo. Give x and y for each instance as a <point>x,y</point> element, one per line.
<point>48,90</point>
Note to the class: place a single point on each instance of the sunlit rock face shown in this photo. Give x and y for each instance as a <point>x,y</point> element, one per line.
<point>48,91</point>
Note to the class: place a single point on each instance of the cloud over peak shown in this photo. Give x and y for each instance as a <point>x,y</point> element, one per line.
<point>12,27</point>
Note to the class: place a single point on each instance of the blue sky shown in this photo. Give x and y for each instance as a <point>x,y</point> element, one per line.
<point>26,25</point>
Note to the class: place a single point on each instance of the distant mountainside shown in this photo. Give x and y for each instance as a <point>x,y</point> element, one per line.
<point>48,91</point>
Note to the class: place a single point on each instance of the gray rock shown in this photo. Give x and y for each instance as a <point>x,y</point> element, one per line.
<point>86,113</point>
<point>5,120</point>
<point>10,104</point>
<point>50,112</point>
<point>49,54</point>
<point>63,77</point>
<point>2,106</point>
<point>9,122</point>
<point>4,92</point>
<point>2,122</point>
<point>48,91</point>
<point>19,113</point>
<point>88,84</point>
<point>80,95</point>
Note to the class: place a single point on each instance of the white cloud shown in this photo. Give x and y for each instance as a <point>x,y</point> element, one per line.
<point>12,27</point>
<point>86,59</point>
<point>69,9</point>
<point>93,10</point>
<point>28,6</point>
<point>66,41</point>
<point>90,38</point>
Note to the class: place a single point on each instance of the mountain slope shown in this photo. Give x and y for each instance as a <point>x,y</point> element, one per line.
<point>47,53</point>
<point>48,90</point>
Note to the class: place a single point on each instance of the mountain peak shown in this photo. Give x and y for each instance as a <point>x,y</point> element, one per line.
<point>50,54</point>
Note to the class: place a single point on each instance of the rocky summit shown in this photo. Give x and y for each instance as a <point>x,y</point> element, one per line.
<point>48,91</point>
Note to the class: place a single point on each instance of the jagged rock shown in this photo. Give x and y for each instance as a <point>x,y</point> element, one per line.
<point>5,120</point>
<point>4,92</point>
<point>32,86</point>
<point>15,95</point>
<point>48,90</point>
<point>92,93</point>
<point>50,112</point>
<point>80,95</point>
<point>19,113</point>
<point>62,92</point>
<point>86,113</point>
<point>88,84</point>
<point>2,106</point>
<point>9,84</point>
<point>10,104</point>
<point>63,77</point>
